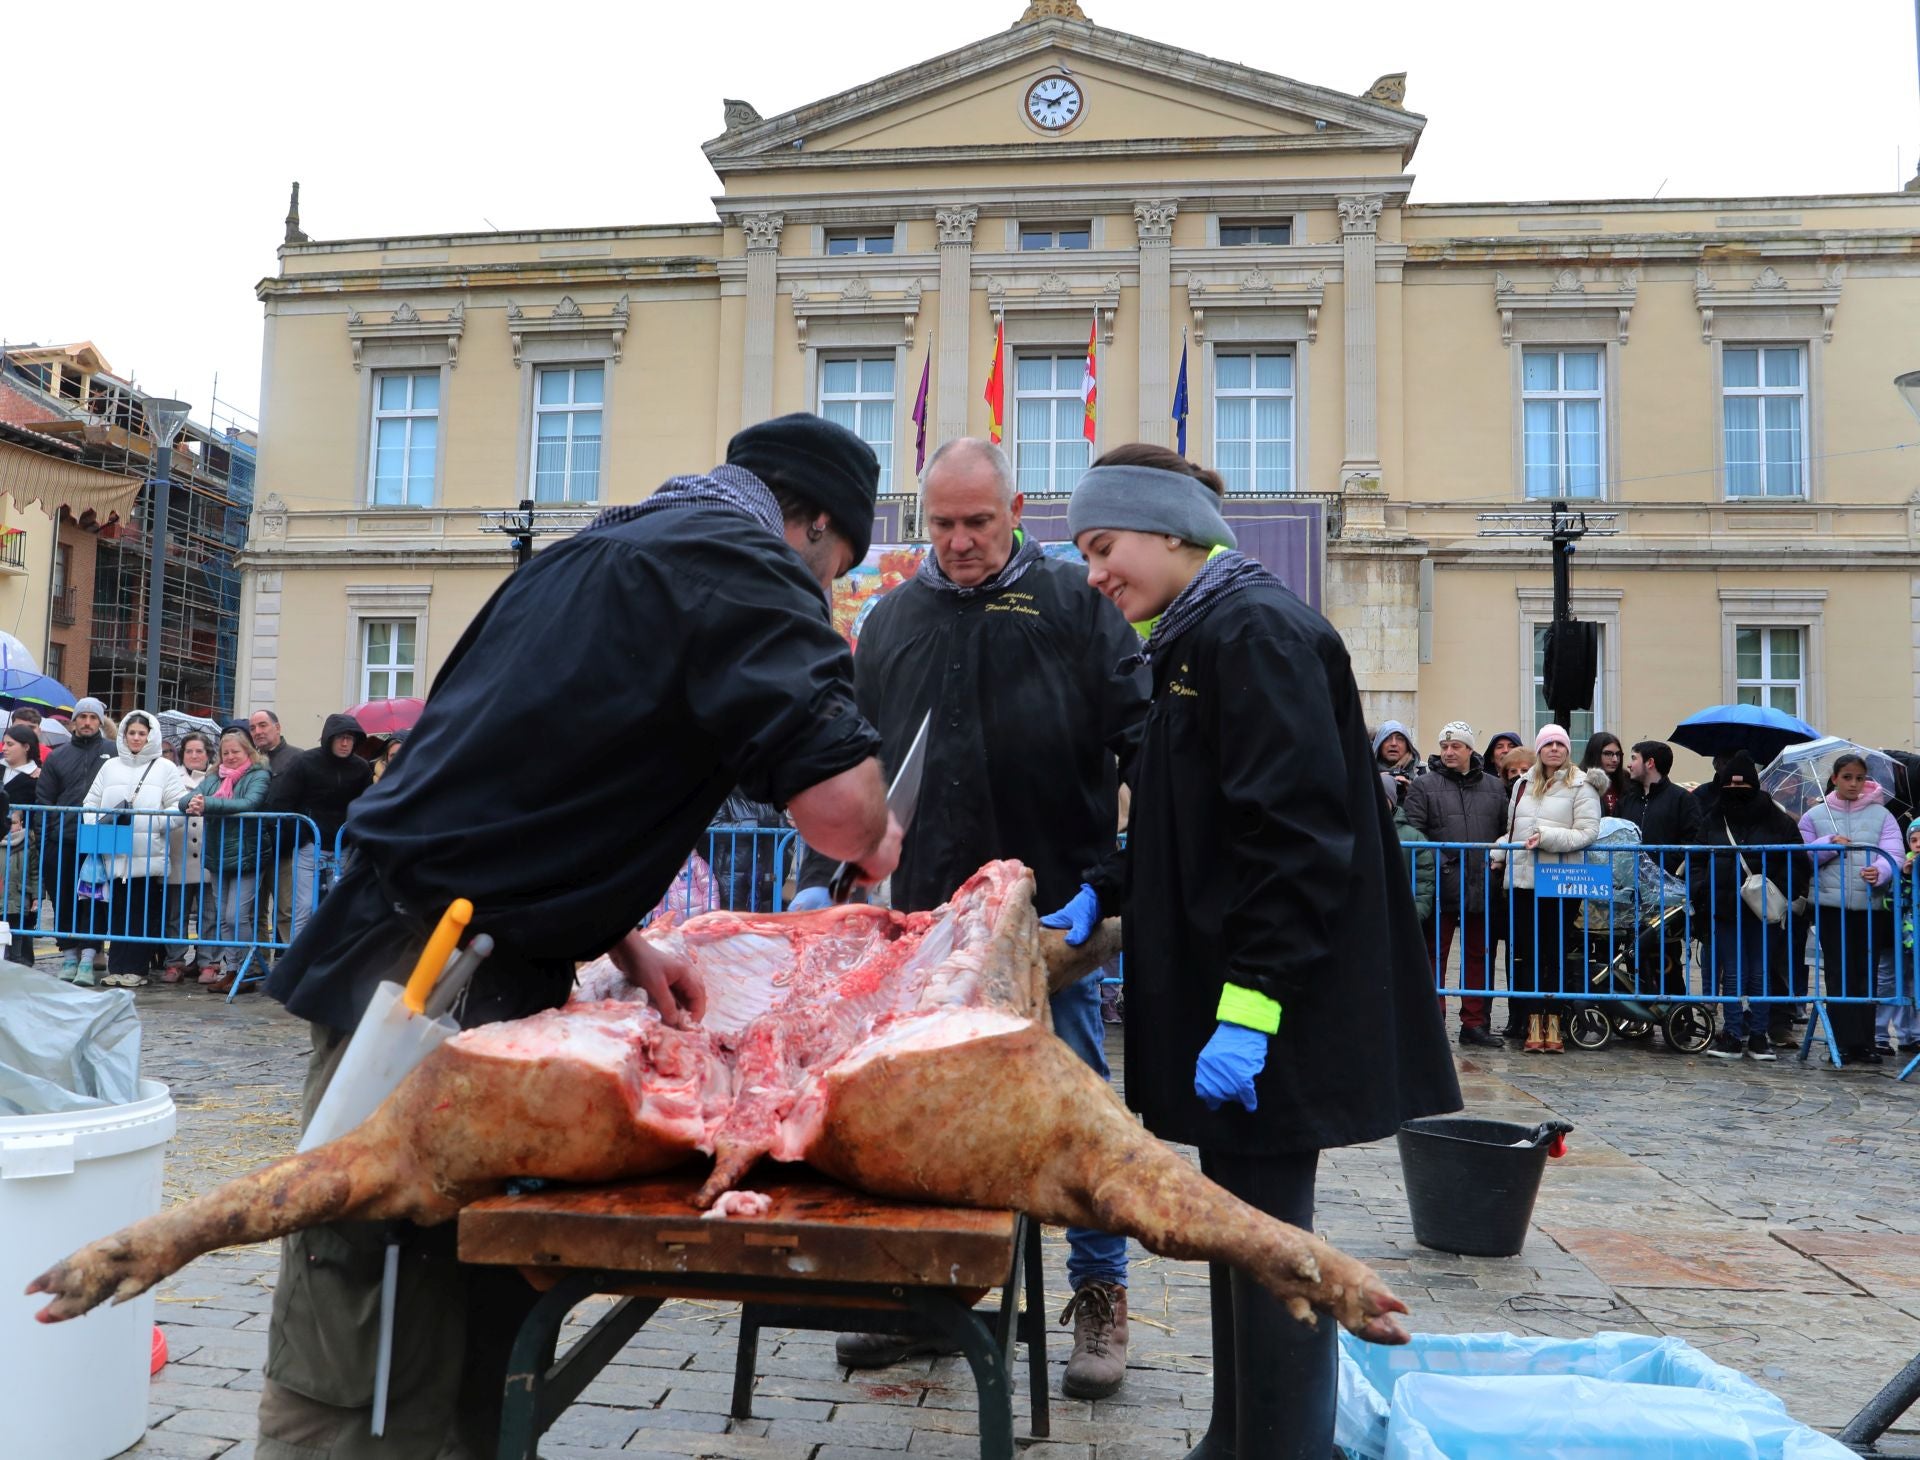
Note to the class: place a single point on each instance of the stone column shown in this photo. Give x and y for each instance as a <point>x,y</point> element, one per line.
<point>763,256</point>
<point>1153,221</point>
<point>1359,229</point>
<point>956,318</point>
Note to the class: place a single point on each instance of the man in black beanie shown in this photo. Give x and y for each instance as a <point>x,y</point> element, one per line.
<point>696,625</point>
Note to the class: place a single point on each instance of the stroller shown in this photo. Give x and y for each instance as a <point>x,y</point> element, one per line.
<point>1637,945</point>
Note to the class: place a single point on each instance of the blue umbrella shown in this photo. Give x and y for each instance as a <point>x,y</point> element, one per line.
<point>1760,730</point>
<point>17,687</point>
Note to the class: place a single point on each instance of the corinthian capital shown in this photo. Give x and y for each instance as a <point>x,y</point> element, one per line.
<point>763,230</point>
<point>1360,215</point>
<point>1154,220</point>
<point>956,224</point>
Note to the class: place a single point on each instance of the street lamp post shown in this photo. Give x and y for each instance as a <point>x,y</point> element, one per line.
<point>164,420</point>
<point>1909,387</point>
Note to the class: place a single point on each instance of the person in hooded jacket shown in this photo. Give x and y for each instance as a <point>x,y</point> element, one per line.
<point>1457,800</point>
<point>319,784</point>
<point>1279,998</point>
<point>1735,813</point>
<point>1393,753</point>
<point>1555,817</point>
<point>1841,832</point>
<point>65,779</point>
<point>136,789</point>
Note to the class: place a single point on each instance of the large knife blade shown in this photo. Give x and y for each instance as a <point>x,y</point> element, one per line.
<point>902,796</point>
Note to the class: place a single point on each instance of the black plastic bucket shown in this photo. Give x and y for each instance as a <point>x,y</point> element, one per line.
<point>1471,1183</point>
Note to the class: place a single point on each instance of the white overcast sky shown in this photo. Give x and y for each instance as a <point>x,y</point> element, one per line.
<point>152,146</point>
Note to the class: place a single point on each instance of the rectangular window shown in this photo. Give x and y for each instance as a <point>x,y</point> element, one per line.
<point>1253,420</point>
<point>1585,722</point>
<point>1055,235</point>
<point>567,401</point>
<point>406,437</point>
<point>1563,420</point>
<point>853,240</point>
<point>858,394</point>
<point>386,658</point>
<point>57,661</point>
<point>1764,410</point>
<point>1770,668</point>
<point>1246,235</point>
<point>1049,422</point>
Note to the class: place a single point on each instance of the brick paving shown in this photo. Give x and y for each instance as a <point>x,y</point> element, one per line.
<point>1763,1213</point>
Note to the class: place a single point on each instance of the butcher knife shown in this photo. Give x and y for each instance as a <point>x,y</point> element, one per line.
<point>901,796</point>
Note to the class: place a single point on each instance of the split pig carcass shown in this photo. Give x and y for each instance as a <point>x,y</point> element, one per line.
<point>907,1055</point>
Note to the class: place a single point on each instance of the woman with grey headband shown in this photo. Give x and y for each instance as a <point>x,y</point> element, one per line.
<point>1279,1000</point>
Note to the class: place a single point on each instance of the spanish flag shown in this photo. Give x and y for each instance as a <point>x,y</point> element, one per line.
<point>1090,384</point>
<point>996,384</point>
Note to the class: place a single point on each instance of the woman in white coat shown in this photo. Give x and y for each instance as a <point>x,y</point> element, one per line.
<point>139,782</point>
<point>1554,817</point>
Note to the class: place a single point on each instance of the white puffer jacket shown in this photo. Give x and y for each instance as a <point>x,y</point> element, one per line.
<point>1566,813</point>
<point>143,782</point>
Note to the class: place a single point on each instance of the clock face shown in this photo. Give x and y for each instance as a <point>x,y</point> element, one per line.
<point>1054,102</point>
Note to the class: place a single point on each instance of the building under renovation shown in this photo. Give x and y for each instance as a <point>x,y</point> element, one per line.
<point>100,570</point>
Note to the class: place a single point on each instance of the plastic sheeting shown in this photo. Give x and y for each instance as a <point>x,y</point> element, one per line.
<point>1496,1396</point>
<point>64,1048</point>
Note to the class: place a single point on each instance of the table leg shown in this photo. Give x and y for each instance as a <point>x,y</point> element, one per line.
<point>746,1361</point>
<point>960,1325</point>
<point>536,1394</point>
<point>1033,1329</point>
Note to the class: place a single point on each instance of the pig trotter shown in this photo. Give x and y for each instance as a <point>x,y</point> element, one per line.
<point>115,1267</point>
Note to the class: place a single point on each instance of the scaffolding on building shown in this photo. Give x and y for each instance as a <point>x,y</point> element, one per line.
<point>214,464</point>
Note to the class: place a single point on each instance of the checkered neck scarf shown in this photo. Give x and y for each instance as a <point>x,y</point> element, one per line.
<point>731,488</point>
<point>1223,576</point>
<point>1026,553</point>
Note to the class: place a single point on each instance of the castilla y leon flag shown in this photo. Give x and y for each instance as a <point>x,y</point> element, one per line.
<point>920,414</point>
<point>1090,384</point>
<point>996,385</point>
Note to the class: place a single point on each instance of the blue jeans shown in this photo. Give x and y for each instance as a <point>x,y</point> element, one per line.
<point>1740,954</point>
<point>1091,1256</point>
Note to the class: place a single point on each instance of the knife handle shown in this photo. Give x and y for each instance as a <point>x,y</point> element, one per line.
<point>840,885</point>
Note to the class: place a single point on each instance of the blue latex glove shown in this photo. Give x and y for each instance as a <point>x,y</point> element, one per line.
<point>1228,1064</point>
<point>810,899</point>
<point>1079,917</point>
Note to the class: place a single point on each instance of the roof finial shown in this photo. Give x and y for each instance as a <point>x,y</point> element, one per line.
<point>1052,10</point>
<point>294,235</point>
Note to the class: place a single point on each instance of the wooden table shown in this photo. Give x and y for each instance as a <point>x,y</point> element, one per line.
<point>823,1257</point>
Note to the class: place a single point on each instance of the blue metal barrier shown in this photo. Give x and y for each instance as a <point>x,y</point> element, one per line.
<point>740,867</point>
<point>1611,934</point>
<point>221,890</point>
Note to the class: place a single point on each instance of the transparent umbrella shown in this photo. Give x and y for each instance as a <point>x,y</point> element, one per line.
<point>1797,776</point>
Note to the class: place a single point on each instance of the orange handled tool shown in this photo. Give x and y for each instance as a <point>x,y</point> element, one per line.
<point>434,958</point>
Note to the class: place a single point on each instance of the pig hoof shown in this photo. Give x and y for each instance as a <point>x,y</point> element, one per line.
<point>87,1279</point>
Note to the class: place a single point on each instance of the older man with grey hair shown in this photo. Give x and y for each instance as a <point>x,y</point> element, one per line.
<point>1018,661</point>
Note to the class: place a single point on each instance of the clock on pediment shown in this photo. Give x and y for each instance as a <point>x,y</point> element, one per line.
<point>1054,102</point>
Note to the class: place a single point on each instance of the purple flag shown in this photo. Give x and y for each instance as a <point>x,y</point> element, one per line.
<point>920,414</point>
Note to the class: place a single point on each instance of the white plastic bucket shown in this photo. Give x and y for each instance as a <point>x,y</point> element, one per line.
<point>75,1390</point>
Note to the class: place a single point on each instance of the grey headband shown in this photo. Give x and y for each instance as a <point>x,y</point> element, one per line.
<point>1148,499</point>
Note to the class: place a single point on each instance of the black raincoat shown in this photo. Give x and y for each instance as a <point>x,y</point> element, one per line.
<point>689,652</point>
<point>1261,852</point>
<point>1030,714</point>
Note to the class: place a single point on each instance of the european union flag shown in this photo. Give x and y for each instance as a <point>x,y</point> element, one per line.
<point>1180,399</point>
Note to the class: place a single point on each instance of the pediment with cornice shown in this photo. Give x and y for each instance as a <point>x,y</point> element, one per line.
<point>1567,293</point>
<point>1767,292</point>
<point>1141,96</point>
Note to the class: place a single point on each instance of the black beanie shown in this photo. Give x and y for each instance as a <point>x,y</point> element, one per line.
<point>824,463</point>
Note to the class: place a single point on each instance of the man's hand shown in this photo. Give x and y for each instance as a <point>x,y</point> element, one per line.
<point>1079,917</point>
<point>877,864</point>
<point>671,984</point>
<point>1227,1066</point>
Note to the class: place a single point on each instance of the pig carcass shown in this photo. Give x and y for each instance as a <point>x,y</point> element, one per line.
<point>907,1055</point>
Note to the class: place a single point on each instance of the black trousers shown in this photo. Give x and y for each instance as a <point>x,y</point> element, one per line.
<point>1542,933</point>
<point>1275,1380</point>
<point>1850,940</point>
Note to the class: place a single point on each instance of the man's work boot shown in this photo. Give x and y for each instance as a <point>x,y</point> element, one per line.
<point>1478,1036</point>
<point>1098,1364</point>
<point>884,1350</point>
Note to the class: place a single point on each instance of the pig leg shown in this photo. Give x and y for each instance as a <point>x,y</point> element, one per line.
<point>1015,1120</point>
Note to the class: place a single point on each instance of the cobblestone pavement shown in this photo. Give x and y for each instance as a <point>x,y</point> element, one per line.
<point>1765,1213</point>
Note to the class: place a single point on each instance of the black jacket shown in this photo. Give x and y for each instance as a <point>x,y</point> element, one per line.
<point>68,773</point>
<point>1754,819</point>
<point>1666,817</point>
<point>695,654</point>
<point>321,785</point>
<point>1030,711</point>
<point>1459,806</point>
<point>1261,852</point>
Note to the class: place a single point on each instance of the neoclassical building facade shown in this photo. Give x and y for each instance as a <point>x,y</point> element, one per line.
<point>1715,374</point>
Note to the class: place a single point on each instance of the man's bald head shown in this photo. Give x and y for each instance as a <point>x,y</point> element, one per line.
<point>971,509</point>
